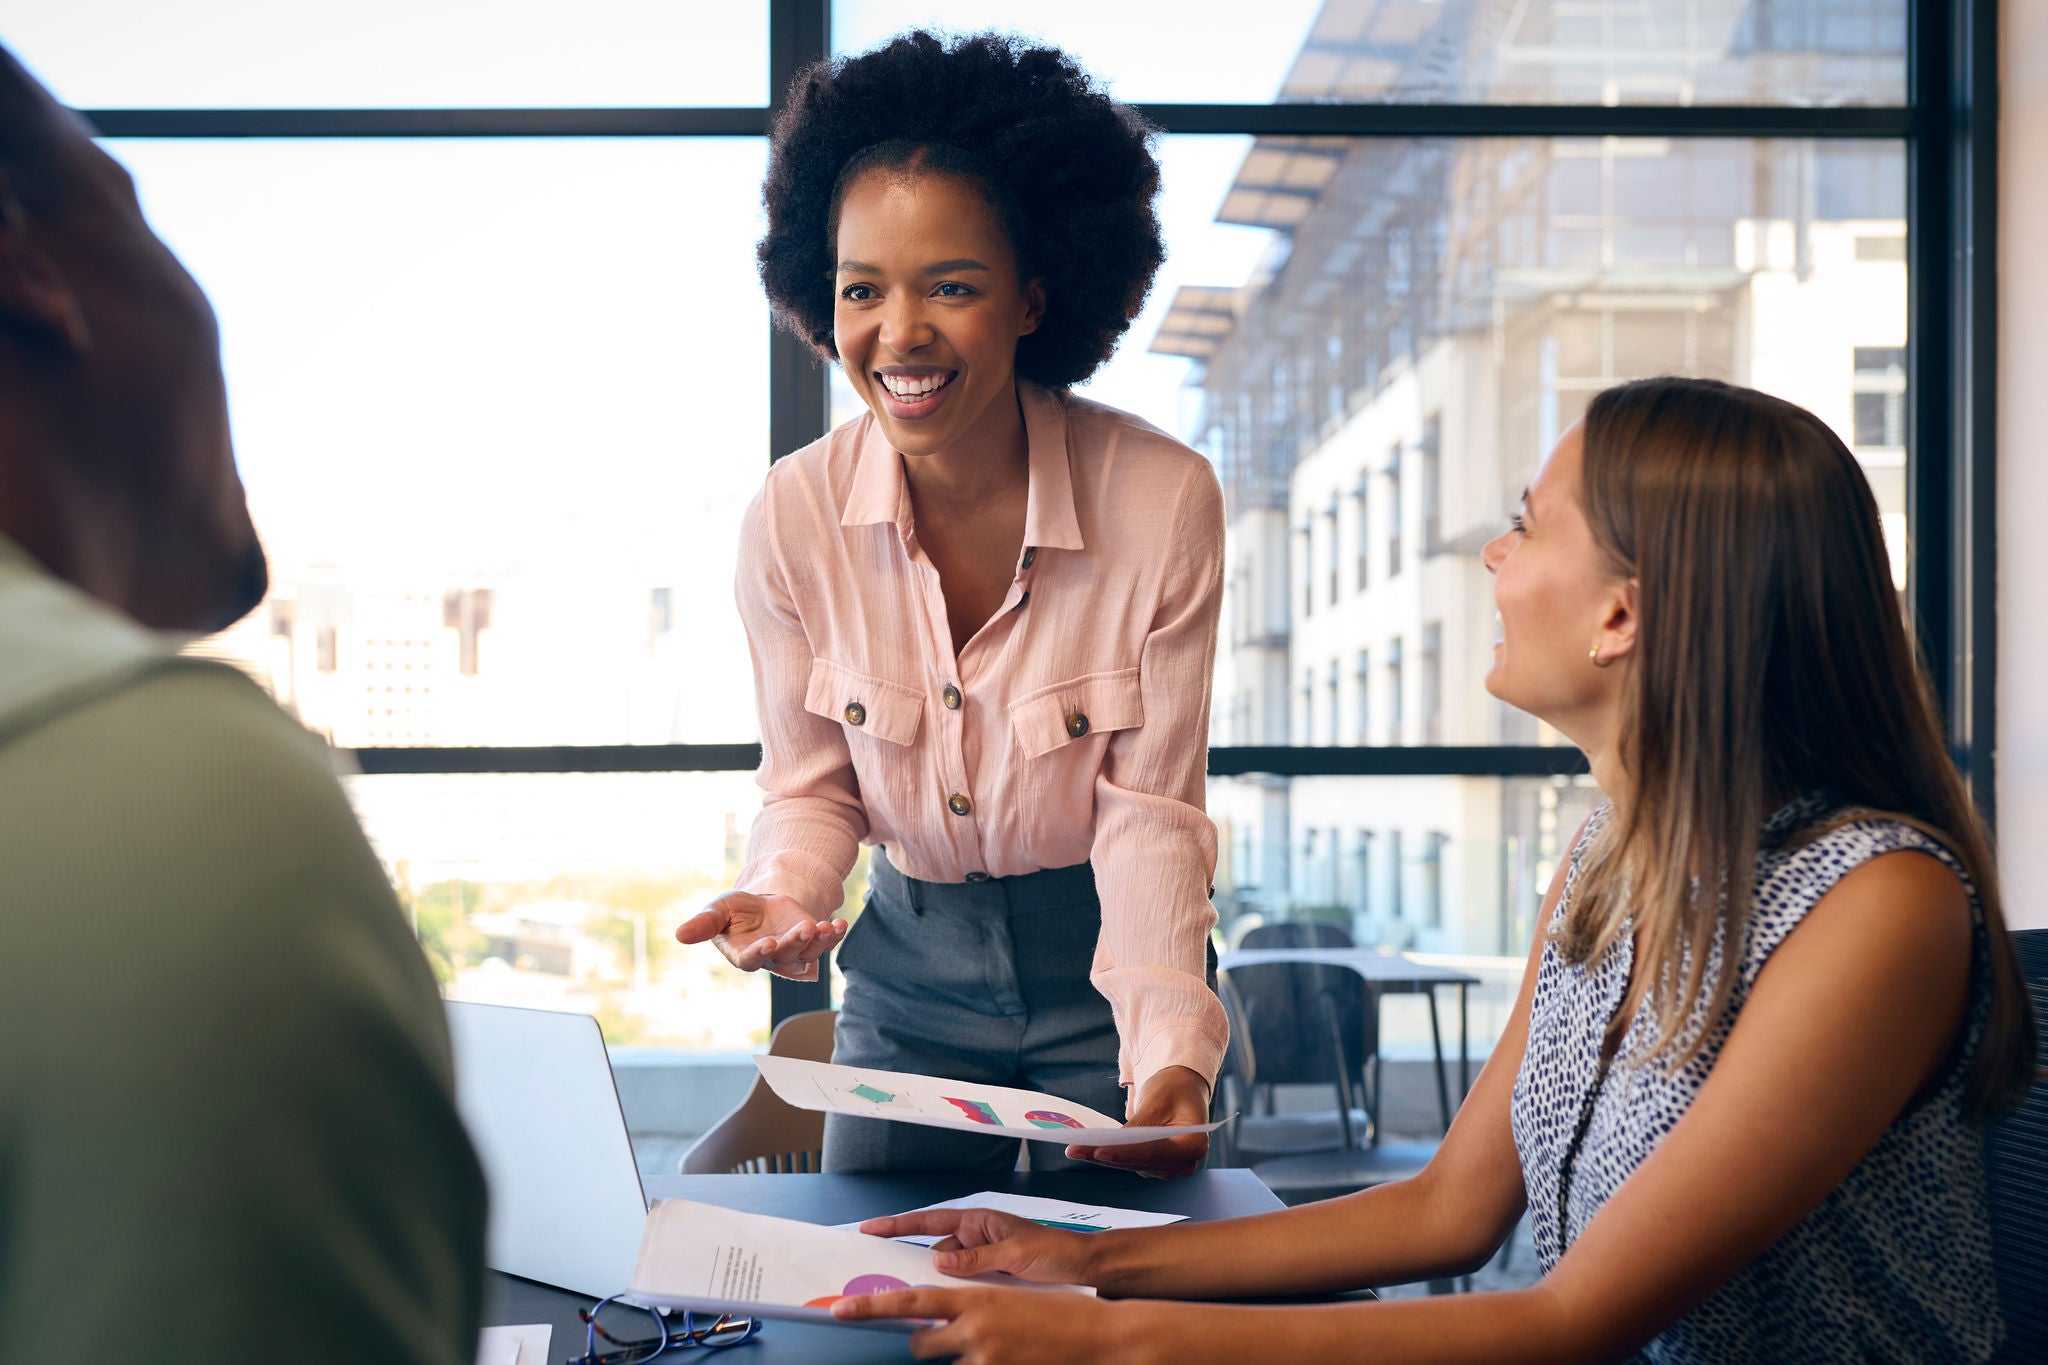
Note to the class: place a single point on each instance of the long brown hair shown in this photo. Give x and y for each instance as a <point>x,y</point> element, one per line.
<point>1772,660</point>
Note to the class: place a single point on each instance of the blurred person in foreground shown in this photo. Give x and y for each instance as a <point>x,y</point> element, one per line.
<point>1770,1004</point>
<point>226,1124</point>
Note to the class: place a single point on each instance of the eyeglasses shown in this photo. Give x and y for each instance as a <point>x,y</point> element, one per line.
<point>716,1335</point>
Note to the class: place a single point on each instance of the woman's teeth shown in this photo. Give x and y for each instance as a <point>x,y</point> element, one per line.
<point>910,390</point>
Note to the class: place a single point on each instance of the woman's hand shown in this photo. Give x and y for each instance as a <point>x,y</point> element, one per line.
<point>1174,1095</point>
<point>764,931</point>
<point>1005,1326</point>
<point>978,1241</point>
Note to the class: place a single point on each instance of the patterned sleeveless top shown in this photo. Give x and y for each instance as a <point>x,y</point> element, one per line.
<point>1894,1264</point>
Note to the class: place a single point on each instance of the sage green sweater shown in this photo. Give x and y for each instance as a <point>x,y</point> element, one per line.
<point>227,1131</point>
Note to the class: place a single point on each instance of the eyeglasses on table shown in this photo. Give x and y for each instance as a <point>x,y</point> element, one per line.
<point>616,1321</point>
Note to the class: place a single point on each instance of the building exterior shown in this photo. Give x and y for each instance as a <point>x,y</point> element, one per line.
<point>1430,318</point>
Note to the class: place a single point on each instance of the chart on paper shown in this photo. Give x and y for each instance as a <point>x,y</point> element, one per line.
<point>940,1103</point>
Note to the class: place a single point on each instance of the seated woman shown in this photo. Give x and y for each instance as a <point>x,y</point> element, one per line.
<point>1764,1152</point>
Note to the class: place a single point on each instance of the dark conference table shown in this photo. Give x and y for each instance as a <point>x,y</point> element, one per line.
<point>844,1198</point>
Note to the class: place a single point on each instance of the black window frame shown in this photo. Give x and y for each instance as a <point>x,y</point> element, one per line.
<point>1947,127</point>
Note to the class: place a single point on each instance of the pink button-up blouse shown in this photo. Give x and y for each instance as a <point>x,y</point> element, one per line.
<point>1072,728</point>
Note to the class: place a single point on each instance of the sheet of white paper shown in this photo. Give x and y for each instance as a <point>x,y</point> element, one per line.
<point>1053,1213</point>
<point>527,1345</point>
<point>995,1110</point>
<point>706,1258</point>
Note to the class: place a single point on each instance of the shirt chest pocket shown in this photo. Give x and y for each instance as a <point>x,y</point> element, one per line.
<point>1055,717</point>
<point>881,710</point>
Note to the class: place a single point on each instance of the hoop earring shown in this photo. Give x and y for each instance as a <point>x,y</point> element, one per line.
<point>1594,655</point>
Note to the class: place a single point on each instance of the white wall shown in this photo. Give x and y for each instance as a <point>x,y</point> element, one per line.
<point>2023,461</point>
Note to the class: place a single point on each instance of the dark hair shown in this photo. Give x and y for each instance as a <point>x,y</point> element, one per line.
<point>1069,172</point>
<point>1772,661</point>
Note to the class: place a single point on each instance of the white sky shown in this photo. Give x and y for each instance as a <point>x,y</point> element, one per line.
<point>451,355</point>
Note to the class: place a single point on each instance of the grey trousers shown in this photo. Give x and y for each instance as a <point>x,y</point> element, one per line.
<point>979,981</point>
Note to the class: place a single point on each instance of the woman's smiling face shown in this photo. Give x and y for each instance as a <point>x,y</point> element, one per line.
<point>930,308</point>
<point>1560,602</point>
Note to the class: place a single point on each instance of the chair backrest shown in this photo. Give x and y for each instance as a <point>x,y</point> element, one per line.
<point>1239,1060</point>
<point>1240,1072</point>
<point>2016,1152</point>
<point>1287,1009</point>
<point>764,1135</point>
<point>1297,933</point>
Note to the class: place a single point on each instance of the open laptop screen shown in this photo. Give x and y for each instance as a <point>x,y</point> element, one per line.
<point>536,1093</point>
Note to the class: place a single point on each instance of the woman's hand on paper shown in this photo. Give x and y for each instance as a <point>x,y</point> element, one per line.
<point>1004,1326</point>
<point>1174,1095</point>
<point>764,931</point>
<point>980,1241</point>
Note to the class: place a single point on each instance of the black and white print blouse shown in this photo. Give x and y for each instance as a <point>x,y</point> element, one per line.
<point>1895,1263</point>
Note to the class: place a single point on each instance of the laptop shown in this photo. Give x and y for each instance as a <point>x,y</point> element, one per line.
<point>535,1091</point>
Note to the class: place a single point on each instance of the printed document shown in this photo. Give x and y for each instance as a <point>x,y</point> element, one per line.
<point>710,1259</point>
<point>937,1103</point>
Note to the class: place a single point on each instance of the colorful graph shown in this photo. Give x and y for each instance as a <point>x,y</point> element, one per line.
<point>1048,1118</point>
<point>978,1111</point>
<point>860,1284</point>
<point>872,1094</point>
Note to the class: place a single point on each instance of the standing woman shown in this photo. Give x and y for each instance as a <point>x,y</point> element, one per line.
<point>983,614</point>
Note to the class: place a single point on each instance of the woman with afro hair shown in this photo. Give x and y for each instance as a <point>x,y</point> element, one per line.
<point>983,614</point>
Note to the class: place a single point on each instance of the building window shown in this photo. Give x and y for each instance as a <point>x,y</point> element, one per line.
<point>327,648</point>
<point>1394,716</point>
<point>1432,486</point>
<point>1361,873</point>
<point>1304,875</point>
<point>1363,733</point>
<point>1433,879</point>
<point>1331,517</point>
<point>1308,706</point>
<point>1394,875</point>
<point>1394,513</point>
<point>1361,498</point>
<point>1432,683</point>
<point>1308,567</point>
<point>1336,722</point>
<point>1880,397</point>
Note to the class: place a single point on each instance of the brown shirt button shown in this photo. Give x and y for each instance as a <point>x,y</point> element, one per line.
<point>1030,555</point>
<point>951,697</point>
<point>855,713</point>
<point>959,804</point>
<point>1077,724</point>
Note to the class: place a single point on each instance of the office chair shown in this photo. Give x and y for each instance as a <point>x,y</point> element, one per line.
<point>764,1135</point>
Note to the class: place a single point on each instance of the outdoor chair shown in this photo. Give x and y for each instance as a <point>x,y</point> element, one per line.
<point>1311,1024</point>
<point>1277,1037</point>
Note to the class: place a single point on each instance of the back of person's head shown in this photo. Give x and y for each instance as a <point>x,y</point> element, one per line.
<point>1772,662</point>
<point>116,470</point>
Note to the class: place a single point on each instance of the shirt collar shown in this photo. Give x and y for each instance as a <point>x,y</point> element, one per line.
<point>880,494</point>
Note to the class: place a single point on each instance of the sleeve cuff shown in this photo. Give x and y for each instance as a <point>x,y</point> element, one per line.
<point>1197,1046</point>
<point>821,896</point>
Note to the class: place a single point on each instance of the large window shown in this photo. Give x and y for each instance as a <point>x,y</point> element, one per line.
<point>503,382</point>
